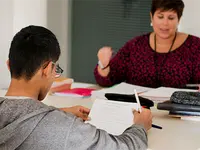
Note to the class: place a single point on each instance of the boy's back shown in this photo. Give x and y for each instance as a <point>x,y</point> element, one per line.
<point>30,124</point>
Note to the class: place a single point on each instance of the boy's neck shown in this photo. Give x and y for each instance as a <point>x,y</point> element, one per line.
<point>23,88</point>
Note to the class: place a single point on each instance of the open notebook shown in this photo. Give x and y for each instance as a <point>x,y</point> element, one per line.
<point>112,116</point>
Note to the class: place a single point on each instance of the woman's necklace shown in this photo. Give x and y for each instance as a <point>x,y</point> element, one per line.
<point>158,82</point>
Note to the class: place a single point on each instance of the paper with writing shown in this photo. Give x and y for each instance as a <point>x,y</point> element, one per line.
<point>112,116</point>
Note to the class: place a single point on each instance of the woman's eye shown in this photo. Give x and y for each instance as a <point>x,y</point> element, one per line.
<point>171,18</point>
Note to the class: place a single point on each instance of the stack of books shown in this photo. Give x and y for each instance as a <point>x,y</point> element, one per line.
<point>63,87</point>
<point>185,108</point>
<point>61,84</point>
<point>176,109</point>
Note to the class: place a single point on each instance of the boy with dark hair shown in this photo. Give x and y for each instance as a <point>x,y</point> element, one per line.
<point>28,124</point>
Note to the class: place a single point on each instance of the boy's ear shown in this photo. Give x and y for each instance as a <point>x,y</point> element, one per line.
<point>47,71</point>
<point>8,64</point>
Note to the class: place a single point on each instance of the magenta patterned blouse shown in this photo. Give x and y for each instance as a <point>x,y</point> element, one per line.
<point>135,64</point>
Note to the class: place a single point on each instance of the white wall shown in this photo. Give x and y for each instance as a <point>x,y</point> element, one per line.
<point>28,12</point>
<point>58,21</point>
<point>190,22</point>
<point>16,14</point>
<point>6,33</point>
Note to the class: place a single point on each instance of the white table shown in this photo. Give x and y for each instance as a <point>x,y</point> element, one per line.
<point>176,134</point>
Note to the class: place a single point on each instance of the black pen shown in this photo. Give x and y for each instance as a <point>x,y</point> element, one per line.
<point>156,126</point>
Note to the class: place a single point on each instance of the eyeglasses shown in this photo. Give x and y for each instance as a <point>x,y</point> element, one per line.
<point>59,70</point>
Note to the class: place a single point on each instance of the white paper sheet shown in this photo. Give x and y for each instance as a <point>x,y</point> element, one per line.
<point>112,116</point>
<point>163,92</point>
<point>122,88</point>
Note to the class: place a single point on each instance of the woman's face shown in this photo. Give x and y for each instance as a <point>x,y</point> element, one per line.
<point>165,23</point>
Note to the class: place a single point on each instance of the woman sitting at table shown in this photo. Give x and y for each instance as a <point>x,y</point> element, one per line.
<point>164,57</point>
